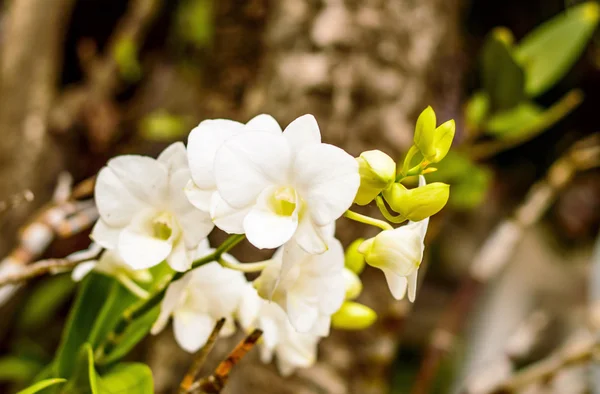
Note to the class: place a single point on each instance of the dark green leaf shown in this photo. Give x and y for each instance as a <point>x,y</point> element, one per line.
<point>119,298</point>
<point>550,50</point>
<point>134,333</point>
<point>39,386</point>
<point>90,300</point>
<point>44,301</point>
<point>513,120</point>
<point>503,78</point>
<point>14,368</point>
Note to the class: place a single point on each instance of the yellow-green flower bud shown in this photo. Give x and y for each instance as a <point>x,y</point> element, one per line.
<point>353,283</point>
<point>354,260</point>
<point>433,143</point>
<point>353,316</point>
<point>418,203</point>
<point>377,171</point>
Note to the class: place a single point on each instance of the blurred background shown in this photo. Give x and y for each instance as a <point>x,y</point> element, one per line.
<point>510,297</point>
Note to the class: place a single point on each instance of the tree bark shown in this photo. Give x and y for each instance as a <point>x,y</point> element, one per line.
<point>31,54</point>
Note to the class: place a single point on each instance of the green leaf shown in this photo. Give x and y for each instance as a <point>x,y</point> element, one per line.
<point>468,181</point>
<point>39,386</point>
<point>19,369</point>
<point>476,110</point>
<point>162,126</point>
<point>134,333</point>
<point>90,300</point>
<point>130,378</point>
<point>513,120</point>
<point>119,299</point>
<point>44,301</point>
<point>125,54</point>
<point>195,22</point>
<point>503,78</point>
<point>549,51</point>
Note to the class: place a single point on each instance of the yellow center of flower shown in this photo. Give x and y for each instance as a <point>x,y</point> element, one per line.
<point>162,226</point>
<point>283,201</point>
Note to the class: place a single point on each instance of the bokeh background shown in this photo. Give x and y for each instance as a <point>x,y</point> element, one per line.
<point>84,80</point>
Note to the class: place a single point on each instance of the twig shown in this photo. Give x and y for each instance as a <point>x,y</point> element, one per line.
<point>499,248</point>
<point>571,354</point>
<point>215,383</point>
<point>200,358</point>
<point>42,267</point>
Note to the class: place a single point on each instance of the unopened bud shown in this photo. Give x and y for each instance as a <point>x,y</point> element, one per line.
<point>354,260</point>
<point>353,283</point>
<point>377,171</point>
<point>433,142</point>
<point>418,203</point>
<point>353,316</point>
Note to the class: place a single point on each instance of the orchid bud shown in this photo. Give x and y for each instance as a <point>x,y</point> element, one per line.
<point>377,170</point>
<point>353,284</point>
<point>354,260</point>
<point>418,203</point>
<point>353,316</point>
<point>433,142</point>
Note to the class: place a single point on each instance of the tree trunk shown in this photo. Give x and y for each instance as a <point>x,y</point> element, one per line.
<point>32,41</point>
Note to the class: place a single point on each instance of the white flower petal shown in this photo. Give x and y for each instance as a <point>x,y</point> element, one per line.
<point>225,217</point>
<point>328,180</point>
<point>105,235</point>
<point>82,269</point>
<point>140,250</point>
<point>144,177</point>
<point>266,229</point>
<point>397,284</point>
<point>248,163</point>
<point>116,204</point>
<point>310,237</point>
<point>173,297</point>
<point>199,198</point>
<point>302,132</point>
<point>412,285</point>
<point>174,157</point>
<point>399,250</point>
<point>203,142</point>
<point>263,122</point>
<point>191,329</point>
<point>302,312</point>
<point>179,258</point>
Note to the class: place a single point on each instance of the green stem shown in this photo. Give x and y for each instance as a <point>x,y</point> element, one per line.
<point>357,217</point>
<point>387,214</point>
<point>144,306</point>
<point>409,156</point>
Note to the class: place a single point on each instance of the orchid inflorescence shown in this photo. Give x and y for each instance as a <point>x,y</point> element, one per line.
<point>281,189</point>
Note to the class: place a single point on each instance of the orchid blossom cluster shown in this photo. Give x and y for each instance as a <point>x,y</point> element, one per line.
<point>281,189</point>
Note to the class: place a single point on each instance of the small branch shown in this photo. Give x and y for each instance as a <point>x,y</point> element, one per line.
<point>357,217</point>
<point>575,353</point>
<point>215,383</point>
<point>40,268</point>
<point>498,249</point>
<point>200,358</point>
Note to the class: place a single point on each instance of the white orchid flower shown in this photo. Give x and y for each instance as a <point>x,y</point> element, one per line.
<point>398,253</point>
<point>198,300</point>
<point>273,185</point>
<point>308,287</point>
<point>144,213</point>
<point>291,349</point>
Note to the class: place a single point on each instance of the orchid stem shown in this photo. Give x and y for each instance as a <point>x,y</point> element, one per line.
<point>144,306</point>
<point>357,217</point>
<point>133,287</point>
<point>397,219</point>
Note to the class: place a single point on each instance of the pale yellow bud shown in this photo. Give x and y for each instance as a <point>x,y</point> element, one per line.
<point>353,316</point>
<point>377,171</point>
<point>418,203</point>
